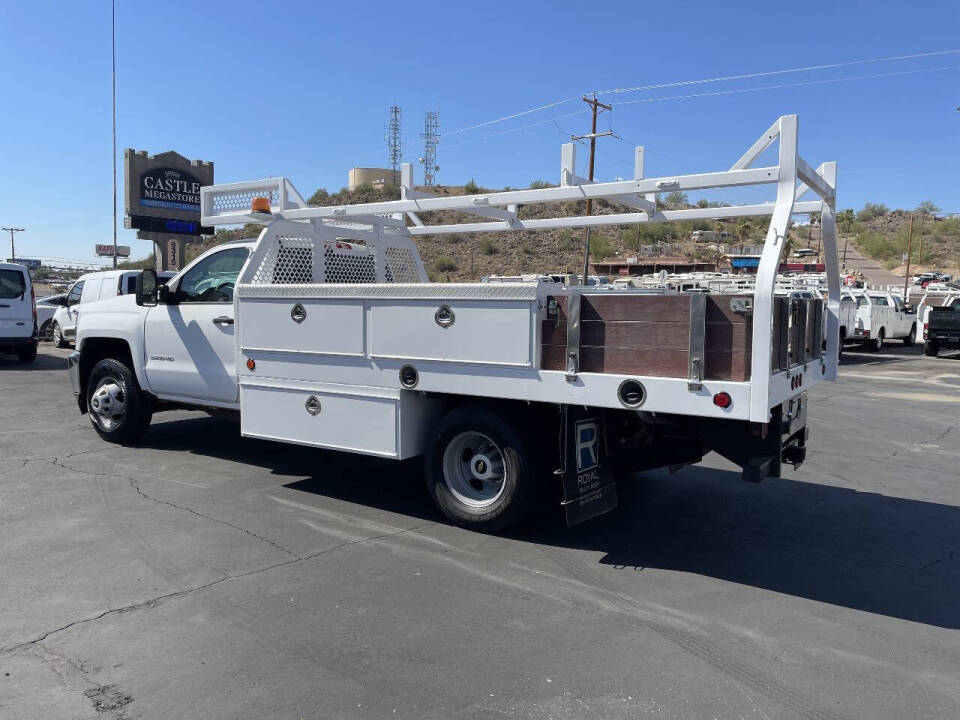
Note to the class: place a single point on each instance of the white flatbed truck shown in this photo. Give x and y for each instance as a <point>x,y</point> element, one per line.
<point>326,332</point>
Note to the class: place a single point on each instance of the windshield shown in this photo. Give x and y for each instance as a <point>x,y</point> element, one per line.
<point>861,301</point>
<point>12,284</point>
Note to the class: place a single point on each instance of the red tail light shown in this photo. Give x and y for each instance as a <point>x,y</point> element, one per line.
<point>926,326</point>
<point>722,400</point>
<point>33,301</point>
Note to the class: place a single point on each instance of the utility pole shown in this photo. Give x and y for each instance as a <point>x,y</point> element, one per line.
<point>906,278</point>
<point>845,243</point>
<point>13,252</point>
<point>595,106</point>
<point>920,249</point>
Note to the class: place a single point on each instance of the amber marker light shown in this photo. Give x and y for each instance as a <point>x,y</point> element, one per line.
<point>251,365</point>
<point>260,205</point>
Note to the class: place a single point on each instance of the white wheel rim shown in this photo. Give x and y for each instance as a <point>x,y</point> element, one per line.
<point>108,403</point>
<point>473,470</point>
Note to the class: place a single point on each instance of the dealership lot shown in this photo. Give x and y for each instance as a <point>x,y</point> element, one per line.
<point>202,575</point>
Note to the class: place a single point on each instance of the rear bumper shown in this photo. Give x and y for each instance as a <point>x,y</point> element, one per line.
<point>11,344</point>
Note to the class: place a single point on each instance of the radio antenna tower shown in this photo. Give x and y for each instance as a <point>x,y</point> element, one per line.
<point>394,145</point>
<point>431,136</point>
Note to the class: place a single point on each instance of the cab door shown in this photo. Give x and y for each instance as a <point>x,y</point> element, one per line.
<point>189,340</point>
<point>69,325</point>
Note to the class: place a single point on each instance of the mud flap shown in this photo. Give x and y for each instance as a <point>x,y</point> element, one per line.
<point>589,483</point>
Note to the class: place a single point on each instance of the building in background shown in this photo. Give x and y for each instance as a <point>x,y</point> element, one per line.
<point>378,177</point>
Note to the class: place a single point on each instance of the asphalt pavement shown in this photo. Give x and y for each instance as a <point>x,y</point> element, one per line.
<point>202,575</point>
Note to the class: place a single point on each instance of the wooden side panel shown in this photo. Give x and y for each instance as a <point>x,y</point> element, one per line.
<point>650,335</point>
<point>781,337</point>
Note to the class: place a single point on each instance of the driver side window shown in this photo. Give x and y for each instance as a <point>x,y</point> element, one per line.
<point>212,280</point>
<point>74,296</point>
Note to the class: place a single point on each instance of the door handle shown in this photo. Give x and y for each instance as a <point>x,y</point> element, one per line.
<point>223,320</point>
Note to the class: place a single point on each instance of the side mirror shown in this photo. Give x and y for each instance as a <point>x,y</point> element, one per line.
<point>146,289</point>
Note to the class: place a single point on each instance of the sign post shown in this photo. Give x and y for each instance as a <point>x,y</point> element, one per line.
<point>162,195</point>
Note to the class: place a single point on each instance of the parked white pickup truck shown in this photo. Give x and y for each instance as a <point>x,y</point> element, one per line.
<point>882,316</point>
<point>326,332</point>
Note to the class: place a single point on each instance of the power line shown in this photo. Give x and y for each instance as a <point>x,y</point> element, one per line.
<point>728,78</point>
<point>768,73</point>
<point>784,85</point>
<point>516,129</point>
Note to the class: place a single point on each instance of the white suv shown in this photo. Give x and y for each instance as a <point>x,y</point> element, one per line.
<point>18,312</point>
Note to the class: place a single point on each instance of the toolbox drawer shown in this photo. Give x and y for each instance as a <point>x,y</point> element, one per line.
<point>351,419</point>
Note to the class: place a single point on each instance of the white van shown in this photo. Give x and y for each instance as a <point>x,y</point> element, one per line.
<point>88,288</point>
<point>18,312</point>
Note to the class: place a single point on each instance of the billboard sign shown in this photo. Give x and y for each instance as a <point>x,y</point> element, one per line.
<point>166,185</point>
<point>107,250</point>
<point>169,188</point>
<point>27,262</point>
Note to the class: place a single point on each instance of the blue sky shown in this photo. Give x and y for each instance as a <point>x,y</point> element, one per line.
<point>301,89</point>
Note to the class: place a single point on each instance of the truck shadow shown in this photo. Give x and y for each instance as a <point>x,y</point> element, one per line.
<point>43,362</point>
<point>864,551</point>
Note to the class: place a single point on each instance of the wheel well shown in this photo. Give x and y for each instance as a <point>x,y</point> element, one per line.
<point>96,349</point>
<point>843,332</point>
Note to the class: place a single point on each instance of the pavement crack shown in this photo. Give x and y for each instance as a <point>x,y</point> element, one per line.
<point>157,600</point>
<point>949,556</point>
<point>136,487</point>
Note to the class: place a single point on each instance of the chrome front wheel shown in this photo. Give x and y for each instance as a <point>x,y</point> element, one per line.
<point>108,404</point>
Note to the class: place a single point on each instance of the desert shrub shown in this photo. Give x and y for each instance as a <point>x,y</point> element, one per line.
<point>601,246</point>
<point>445,264</point>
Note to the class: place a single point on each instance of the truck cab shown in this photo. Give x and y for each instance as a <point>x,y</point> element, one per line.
<point>181,350</point>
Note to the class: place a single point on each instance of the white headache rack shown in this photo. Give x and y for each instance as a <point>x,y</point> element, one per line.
<point>364,248</point>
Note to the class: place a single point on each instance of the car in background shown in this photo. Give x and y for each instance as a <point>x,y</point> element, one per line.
<point>46,308</point>
<point>89,288</point>
<point>18,312</point>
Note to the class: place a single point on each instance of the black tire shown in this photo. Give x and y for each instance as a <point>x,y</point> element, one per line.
<point>876,345</point>
<point>931,348</point>
<point>911,338</point>
<point>459,426</point>
<point>124,428</point>
<point>46,331</point>
<point>56,336</point>
<point>27,354</point>
<point>840,346</point>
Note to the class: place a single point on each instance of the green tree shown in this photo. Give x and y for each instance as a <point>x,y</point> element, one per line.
<point>471,188</point>
<point>743,231</point>
<point>845,220</point>
<point>927,207</point>
<point>676,199</point>
<point>319,197</point>
<point>871,211</point>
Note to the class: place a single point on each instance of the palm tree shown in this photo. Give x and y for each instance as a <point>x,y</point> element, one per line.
<point>743,230</point>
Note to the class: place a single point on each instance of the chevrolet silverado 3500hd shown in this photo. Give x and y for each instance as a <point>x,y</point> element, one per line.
<point>325,331</point>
